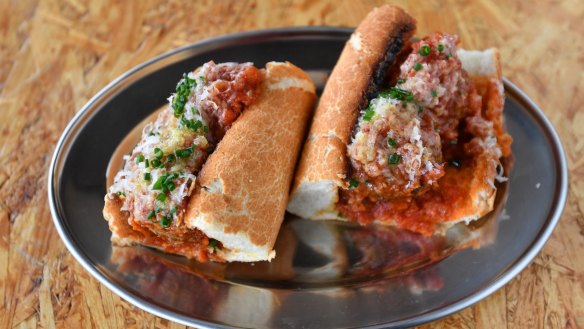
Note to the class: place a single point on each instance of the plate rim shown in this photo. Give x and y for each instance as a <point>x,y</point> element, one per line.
<point>84,115</point>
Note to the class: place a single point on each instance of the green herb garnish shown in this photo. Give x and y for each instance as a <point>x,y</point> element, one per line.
<point>183,153</point>
<point>170,158</point>
<point>183,89</point>
<point>158,184</point>
<point>139,158</point>
<point>158,153</point>
<point>168,187</point>
<point>165,221</point>
<point>424,50</point>
<point>193,125</point>
<point>417,66</point>
<point>147,176</point>
<point>214,244</point>
<point>161,197</point>
<point>391,142</point>
<point>150,214</point>
<point>353,183</point>
<point>440,47</point>
<point>397,93</point>
<point>156,163</point>
<point>369,113</point>
<point>394,159</point>
<point>400,81</point>
<point>146,163</point>
<point>434,94</point>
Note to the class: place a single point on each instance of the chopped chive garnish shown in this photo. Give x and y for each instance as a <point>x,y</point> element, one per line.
<point>168,187</point>
<point>455,163</point>
<point>391,142</point>
<point>158,184</point>
<point>139,158</point>
<point>183,153</point>
<point>151,214</point>
<point>183,89</point>
<point>170,158</point>
<point>147,176</point>
<point>173,210</point>
<point>165,221</point>
<point>120,193</point>
<point>214,244</point>
<point>156,163</point>
<point>193,125</point>
<point>161,197</point>
<point>158,153</point>
<point>394,159</point>
<point>434,94</point>
<point>400,81</point>
<point>424,50</point>
<point>417,66</point>
<point>353,183</point>
<point>146,163</point>
<point>397,93</point>
<point>369,113</point>
<point>440,47</point>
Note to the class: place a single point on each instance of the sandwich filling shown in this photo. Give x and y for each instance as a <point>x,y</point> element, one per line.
<point>418,143</point>
<point>154,186</point>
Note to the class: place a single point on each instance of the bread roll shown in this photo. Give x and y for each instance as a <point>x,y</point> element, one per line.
<point>235,204</point>
<point>415,101</point>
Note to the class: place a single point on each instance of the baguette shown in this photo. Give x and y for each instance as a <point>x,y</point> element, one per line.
<point>392,157</point>
<point>375,45</point>
<point>234,204</point>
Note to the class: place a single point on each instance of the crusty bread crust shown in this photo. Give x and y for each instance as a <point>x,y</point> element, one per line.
<point>242,190</point>
<point>323,165</point>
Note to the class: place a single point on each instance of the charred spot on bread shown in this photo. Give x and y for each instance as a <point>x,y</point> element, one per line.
<point>385,70</point>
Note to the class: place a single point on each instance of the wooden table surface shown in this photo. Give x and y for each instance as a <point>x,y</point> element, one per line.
<point>54,55</point>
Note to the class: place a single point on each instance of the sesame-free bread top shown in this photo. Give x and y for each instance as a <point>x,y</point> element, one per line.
<point>242,190</point>
<point>374,47</point>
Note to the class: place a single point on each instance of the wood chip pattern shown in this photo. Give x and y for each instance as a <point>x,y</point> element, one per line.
<point>54,55</point>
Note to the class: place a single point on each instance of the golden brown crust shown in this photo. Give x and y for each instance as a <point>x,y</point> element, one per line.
<point>243,187</point>
<point>346,92</point>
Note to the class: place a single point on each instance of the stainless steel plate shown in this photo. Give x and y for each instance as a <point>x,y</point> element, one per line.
<point>326,274</point>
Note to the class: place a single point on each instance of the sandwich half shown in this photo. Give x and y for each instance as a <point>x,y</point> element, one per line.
<point>210,177</point>
<point>406,133</point>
